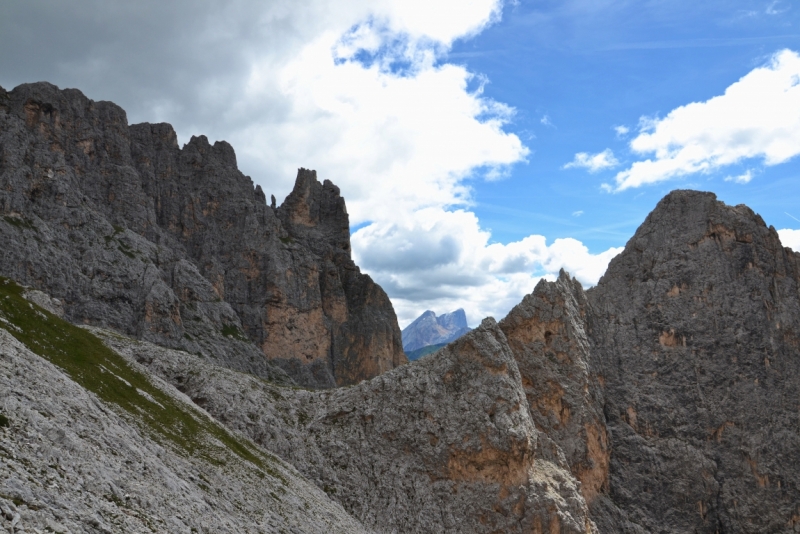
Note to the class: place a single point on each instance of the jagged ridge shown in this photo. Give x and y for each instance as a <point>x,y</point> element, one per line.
<point>176,246</point>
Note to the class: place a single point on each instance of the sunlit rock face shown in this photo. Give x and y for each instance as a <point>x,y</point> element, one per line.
<point>176,246</point>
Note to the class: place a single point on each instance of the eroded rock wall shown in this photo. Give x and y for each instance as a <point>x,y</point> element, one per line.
<point>176,246</point>
<point>696,343</point>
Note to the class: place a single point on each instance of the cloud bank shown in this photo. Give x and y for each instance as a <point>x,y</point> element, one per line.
<point>790,238</point>
<point>361,91</point>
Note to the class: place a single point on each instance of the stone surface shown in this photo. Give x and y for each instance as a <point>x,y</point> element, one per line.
<point>428,329</point>
<point>70,462</point>
<point>663,400</point>
<point>174,245</point>
<point>445,444</point>
<point>548,336</point>
<point>695,340</point>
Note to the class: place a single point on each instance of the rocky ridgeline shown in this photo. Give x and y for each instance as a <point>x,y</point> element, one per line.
<point>665,399</point>
<point>175,245</point>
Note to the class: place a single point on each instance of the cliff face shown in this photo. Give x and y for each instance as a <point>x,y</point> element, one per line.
<point>176,246</point>
<point>91,443</point>
<point>695,341</point>
<point>548,335</point>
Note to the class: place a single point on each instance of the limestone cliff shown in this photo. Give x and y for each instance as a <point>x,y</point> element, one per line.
<point>695,338</point>
<point>92,443</point>
<point>445,444</point>
<point>176,246</point>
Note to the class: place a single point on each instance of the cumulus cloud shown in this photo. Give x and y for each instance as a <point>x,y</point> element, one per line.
<point>593,162</point>
<point>622,131</point>
<point>360,91</point>
<point>756,117</point>
<point>742,178</point>
<point>790,238</point>
<point>444,260</point>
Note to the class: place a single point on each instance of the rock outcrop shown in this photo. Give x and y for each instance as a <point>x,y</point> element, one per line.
<point>444,445</point>
<point>547,333</point>
<point>176,246</point>
<point>428,329</point>
<point>665,399</point>
<point>78,454</point>
<point>695,340</point>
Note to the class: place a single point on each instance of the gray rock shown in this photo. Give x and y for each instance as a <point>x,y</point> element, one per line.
<point>177,247</point>
<point>547,333</point>
<point>73,463</point>
<point>444,444</point>
<point>695,339</point>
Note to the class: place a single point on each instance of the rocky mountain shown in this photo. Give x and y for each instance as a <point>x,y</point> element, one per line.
<point>414,355</point>
<point>663,400</point>
<point>694,341</point>
<point>90,442</point>
<point>428,329</point>
<point>175,245</point>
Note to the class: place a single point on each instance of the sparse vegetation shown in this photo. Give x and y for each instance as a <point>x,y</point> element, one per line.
<point>231,330</point>
<point>99,369</point>
<point>4,423</point>
<point>19,222</point>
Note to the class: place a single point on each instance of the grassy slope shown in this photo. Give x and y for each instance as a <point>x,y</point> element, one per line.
<point>104,372</point>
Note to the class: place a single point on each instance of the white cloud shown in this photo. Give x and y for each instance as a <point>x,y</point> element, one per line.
<point>547,122</point>
<point>360,91</point>
<point>622,131</point>
<point>756,117</point>
<point>593,162</point>
<point>577,213</point>
<point>790,238</point>
<point>774,9</point>
<point>741,179</point>
<point>435,259</point>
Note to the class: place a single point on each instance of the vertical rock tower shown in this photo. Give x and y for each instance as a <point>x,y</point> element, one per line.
<point>176,246</point>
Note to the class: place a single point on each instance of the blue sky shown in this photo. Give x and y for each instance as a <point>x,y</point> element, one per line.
<point>480,144</point>
<point>591,66</point>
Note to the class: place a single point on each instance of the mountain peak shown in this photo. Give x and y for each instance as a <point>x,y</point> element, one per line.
<point>428,329</point>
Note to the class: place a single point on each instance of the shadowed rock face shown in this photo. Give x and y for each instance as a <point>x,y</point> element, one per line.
<point>176,246</point>
<point>695,339</point>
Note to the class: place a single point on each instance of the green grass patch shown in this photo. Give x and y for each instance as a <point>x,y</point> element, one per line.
<point>127,251</point>
<point>231,330</point>
<point>102,371</point>
<point>286,240</point>
<point>20,223</point>
<point>3,421</point>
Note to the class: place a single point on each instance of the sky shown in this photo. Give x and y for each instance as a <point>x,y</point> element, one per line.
<point>480,145</point>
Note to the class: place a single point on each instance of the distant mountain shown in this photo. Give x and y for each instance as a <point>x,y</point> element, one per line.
<point>427,329</point>
<point>415,355</point>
